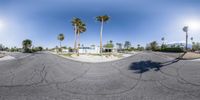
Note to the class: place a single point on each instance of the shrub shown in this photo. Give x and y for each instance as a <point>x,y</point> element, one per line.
<point>153,46</point>
<point>175,49</point>
<point>196,46</point>
<point>27,50</point>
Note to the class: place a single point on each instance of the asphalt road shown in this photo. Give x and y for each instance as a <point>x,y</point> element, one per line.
<point>145,76</point>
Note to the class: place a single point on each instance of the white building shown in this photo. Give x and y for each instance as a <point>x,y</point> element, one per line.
<point>63,50</point>
<point>92,49</point>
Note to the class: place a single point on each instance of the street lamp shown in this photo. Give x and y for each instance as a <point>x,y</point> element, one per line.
<point>185,29</point>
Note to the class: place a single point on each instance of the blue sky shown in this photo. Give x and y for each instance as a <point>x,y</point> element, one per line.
<point>138,21</point>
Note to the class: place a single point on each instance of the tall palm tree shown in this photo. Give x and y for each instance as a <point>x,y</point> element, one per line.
<point>102,19</point>
<point>127,45</point>
<point>75,22</point>
<point>61,37</point>
<point>185,29</point>
<point>163,39</point>
<point>192,40</point>
<point>81,27</point>
<point>138,46</point>
<point>26,45</point>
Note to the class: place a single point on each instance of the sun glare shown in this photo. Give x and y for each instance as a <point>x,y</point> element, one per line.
<point>194,25</point>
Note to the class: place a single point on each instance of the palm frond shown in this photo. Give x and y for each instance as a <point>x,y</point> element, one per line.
<point>103,18</point>
<point>61,37</point>
<point>75,21</point>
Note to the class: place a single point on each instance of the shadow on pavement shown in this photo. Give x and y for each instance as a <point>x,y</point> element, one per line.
<point>144,66</point>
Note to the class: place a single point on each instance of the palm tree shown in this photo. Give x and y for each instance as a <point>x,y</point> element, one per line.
<point>185,29</point>
<point>191,38</point>
<point>75,22</point>
<point>102,19</point>
<point>138,46</point>
<point>27,45</point>
<point>81,27</point>
<point>127,45</point>
<point>61,37</point>
<point>163,39</point>
<point>154,45</point>
<point>192,41</point>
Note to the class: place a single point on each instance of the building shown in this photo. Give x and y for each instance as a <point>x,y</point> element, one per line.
<point>64,50</point>
<point>92,49</point>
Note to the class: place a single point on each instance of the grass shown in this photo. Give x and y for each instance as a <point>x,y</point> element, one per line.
<point>67,55</point>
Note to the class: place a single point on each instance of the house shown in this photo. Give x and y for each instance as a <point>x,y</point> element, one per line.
<point>92,49</point>
<point>111,50</point>
<point>64,50</point>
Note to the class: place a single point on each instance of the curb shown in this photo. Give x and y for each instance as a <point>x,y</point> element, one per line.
<point>91,62</point>
<point>189,58</point>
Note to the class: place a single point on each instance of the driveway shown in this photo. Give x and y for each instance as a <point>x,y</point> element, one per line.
<point>144,76</point>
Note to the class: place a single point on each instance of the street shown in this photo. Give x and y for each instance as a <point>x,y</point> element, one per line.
<point>144,76</point>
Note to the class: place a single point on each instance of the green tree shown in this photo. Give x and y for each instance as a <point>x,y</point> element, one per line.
<point>163,46</point>
<point>119,46</point>
<point>127,45</point>
<point>26,44</point>
<point>40,48</point>
<point>109,44</point>
<point>154,46</point>
<point>102,19</point>
<point>138,46</point>
<point>141,48</point>
<point>196,46</point>
<point>1,47</point>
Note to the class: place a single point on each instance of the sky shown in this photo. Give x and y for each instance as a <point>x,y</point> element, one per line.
<point>137,21</point>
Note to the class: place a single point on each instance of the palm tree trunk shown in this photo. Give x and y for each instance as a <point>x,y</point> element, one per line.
<point>101,49</point>
<point>186,45</point>
<point>60,44</point>
<point>162,42</point>
<point>60,47</point>
<point>78,43</point>
<point>75,38</point>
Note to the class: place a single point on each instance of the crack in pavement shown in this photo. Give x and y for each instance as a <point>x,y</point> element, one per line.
<point>40,71</point>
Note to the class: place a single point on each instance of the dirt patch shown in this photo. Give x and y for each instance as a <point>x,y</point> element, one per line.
<point>191,55</point>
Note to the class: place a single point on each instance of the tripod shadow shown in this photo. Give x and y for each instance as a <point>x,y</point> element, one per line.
<point>144,66</point>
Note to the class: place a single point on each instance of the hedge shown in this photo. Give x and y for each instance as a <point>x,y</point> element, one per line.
<point>172,50</point>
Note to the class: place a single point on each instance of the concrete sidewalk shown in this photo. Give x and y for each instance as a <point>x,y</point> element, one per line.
<point>95,58</point>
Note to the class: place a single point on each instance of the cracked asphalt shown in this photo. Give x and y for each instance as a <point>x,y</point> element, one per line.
<point>144,76</point>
